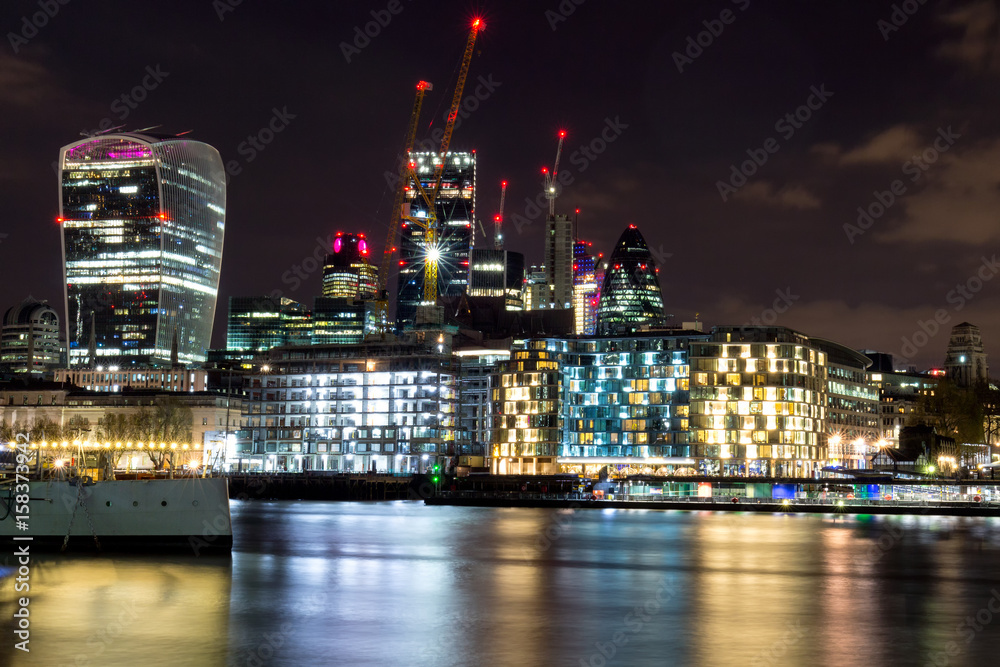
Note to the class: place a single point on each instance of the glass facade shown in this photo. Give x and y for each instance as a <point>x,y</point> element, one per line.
<point>758,403</point>
<point>342,320</point>
<point>256,324</point>
<point>143,219</point>
<point>740,401</point>
<point>499,274</point>
<point>348,273</point>
<point>585,294</point>
<point>630,294</point>
<point>455,210</point>
<point>527,423</point>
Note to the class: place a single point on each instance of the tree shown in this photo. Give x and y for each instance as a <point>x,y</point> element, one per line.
<point>956,412</point>
<point>167,421</point>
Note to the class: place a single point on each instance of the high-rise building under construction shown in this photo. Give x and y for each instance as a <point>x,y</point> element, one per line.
<point>455,209</point>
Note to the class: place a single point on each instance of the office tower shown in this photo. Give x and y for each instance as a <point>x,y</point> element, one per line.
<point>348,273</point>
<point>455,208</point>
<point>29,342</point>
<point>343,321</point>
<point>965,361</point>
<point>143,218</point>
<point>536,292</point>
<point>630,295</point>
<point>497,273</point>
<point>559,259</point>
<point>258,323</point>
<point>584,289</point>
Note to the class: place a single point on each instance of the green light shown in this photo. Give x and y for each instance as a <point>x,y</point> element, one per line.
<point>434,479</point>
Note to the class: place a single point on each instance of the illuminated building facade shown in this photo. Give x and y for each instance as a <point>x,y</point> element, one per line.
<point>739,401</point>
<point>758,403</point>
<point>965,361</point>
<point>143,219</point>
<point>342,320</point>
<point>351,407</point>
<point>625,402</point>
<point>259,323</point>
<point>475,369</point>
<point>114,379</point>
<point>348,273</point>
<point>630,294</point>
<point>497,273</point>
<point>585,294</point>
<point>29,342</point>
<point>527,422</point>
<point>899,393</point>
<point>852,406</point>
<point>536,294</point>
<point>455,210</point>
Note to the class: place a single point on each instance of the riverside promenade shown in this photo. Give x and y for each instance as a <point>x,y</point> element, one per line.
<point>695,504</point>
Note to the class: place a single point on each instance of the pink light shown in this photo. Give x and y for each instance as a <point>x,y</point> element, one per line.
<point>337,245</point>
<point>129,154</point>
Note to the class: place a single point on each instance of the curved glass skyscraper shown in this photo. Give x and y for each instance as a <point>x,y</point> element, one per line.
<point>630,294</point>
<point>143,218</point>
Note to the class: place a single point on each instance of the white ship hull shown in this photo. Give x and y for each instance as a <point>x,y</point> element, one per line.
<point>181,514</point>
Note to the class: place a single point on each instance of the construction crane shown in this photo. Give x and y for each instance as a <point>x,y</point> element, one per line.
<point>498,219</point>
<point>551,190</point>
<point>382,305</point>
<point>429,223</point>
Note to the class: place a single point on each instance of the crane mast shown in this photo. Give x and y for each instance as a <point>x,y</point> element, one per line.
<point>430,223</point>
<point>498,219</point>
<point>551,191</point>
<point>397,207</point>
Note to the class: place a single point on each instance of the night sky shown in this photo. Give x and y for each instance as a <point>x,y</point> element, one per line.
<point>883,89</point>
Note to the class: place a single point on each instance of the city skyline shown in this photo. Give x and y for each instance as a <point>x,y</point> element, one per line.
<point>777,186</point>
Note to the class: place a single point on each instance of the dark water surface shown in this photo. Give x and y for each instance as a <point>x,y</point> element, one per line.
<point>313,583</point>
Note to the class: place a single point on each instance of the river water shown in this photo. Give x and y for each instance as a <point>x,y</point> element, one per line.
<point>398,583</point>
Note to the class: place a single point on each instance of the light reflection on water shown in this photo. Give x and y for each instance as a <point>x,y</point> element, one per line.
<point>400,583</point>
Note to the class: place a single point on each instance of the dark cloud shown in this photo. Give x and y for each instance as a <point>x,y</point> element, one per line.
<point>785,229</point>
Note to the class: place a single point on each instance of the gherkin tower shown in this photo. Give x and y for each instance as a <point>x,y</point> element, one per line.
<point>630,294</point>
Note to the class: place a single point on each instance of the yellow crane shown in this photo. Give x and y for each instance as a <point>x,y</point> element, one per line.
<point>430,223</point>
<point>405,169</point>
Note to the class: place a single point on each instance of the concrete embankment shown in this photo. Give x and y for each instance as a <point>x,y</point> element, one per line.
<point>725,505</point>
